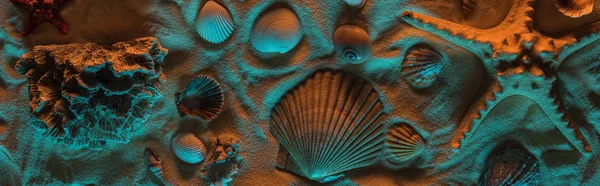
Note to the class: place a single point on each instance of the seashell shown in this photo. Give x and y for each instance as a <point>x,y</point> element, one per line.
<point>189,148</point>
<point>510,165</point>
<point>404,142</point>
<point>155,164</point>
<point>202,97</point>
<point>468,6</point>
<point>356,4</point>
<point>352,43</point>
<point>421,66</point>
<point>574,8</point>
<point>327,125</point>
<point>214,23</point>
<point>279,30</point>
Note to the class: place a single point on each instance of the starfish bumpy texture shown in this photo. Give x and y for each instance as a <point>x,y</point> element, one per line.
<point>43,11</point>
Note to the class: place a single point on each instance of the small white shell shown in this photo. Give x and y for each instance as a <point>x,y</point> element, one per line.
<point>189,148</point>
<point>352,43</point>
<point>355,3</point>
<point>214,23</point>
<point>279,30</point>
<point>574,8</point>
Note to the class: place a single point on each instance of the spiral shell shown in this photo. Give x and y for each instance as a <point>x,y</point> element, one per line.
<point>189,148</point>
<point>278,30</point>
<point>574,8</point>
<point>214,23</point>
<point>404,142</point>
<point>352,43</point>
<point>356,3</point>
<point>421,66</point>
<point>202,97</point>
<point>155,164</point>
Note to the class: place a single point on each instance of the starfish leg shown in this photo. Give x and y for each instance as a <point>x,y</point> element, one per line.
<point>59,23</point>
<point>32,25</point>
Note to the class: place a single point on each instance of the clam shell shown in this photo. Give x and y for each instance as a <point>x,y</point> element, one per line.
<point>155,164</point>
<point>404,142</point>
<point>327,125</point>
<point>278,30</point>
<point>214,23</point>
<point>421,66</point>
<point>188,148</point>
<point>352,43</point>
<point>574,8</point>
<point>510,165</point>
<point>356,3</point>
<point>202,97</point>
<point>468,6</point>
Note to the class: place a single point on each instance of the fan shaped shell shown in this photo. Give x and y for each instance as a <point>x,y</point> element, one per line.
<point>189,148</point>
<point>202,97</point>
<point>355,3</point>
<point>574,8</point>
<point>403,142</point>
<point>327,125</point>
<point>278,30</point>
<point>352,43</point>
<point>214,23</point>
<point>421,66</point>
<point>510,165</point>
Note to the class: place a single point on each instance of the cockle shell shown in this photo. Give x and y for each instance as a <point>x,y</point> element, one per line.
<point>189,148</point>
<point>468,6</point>
<point>574,8</point>
<point>421,66</point>
<point>510,165</point>
<point>355,3</point>
<point>404,142</point>
<point>214,23</point>
<point>279,30</point>
<point>202,97</point>
<point>352,43</point>
<point>327,125</point>
<point>155,164</point>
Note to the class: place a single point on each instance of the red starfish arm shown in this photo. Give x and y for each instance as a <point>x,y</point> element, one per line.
<point>59,23</point>
<point>34,22</point>
<point>27,4</point>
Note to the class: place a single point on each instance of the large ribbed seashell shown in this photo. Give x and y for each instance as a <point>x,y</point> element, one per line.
<point>327,125</point>
<point>404,142</point>
<point>468,6</point>
<point>421,66</point>
<point>278,30</point>
<point>510,165</point>
<point>155,164</point>
<point>214,23</point>
<point>574,8</point>
<point>356,3</point>
<point>352,43</point>
<point>188,148</point>
<point>202,97</point>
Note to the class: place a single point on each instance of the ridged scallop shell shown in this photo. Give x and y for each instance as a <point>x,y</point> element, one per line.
<point>574,8</point>
<point>155,164</point>
<point>352,43</point>
<point>421,66</point>
<point>202,97</point>
<point>510,165</point>
<point>214,23</point>
<point>189,148</point>
<point>356,3</point>
<point>327,125</point>
<point>404,142</point>
<point>468,6</point>
<point>279,30</point>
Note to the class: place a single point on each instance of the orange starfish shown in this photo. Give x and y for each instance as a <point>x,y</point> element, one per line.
<point>43,11</point>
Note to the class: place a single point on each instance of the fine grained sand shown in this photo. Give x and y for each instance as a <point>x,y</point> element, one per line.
<point>254,82</point>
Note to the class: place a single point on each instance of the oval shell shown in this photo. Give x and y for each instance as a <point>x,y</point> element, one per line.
<point>574,8</point>
<point>421,66</point>
<point>404,142</point>
<point>329,124</point>
<point>352,43</point>
<point>202,97</point>
<point>189,148</point>
<point>279,30</point>
<point>214,23</point>
<point>510,165</point>
<point>355,3</point>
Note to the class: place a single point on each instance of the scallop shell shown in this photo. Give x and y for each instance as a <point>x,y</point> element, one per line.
<point>510,165</point>
<point>279,30</point>
<point>352,43</point>
<point>468,6</point>
<point>574,8</point>
<point>421,66</point>
<point>404,142</point>
<point>356,3</point>
<point>155,164</point>
<point>214,23</point>
<point>189,148</point>
<point>327,125</point>
<point>202,97</point>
